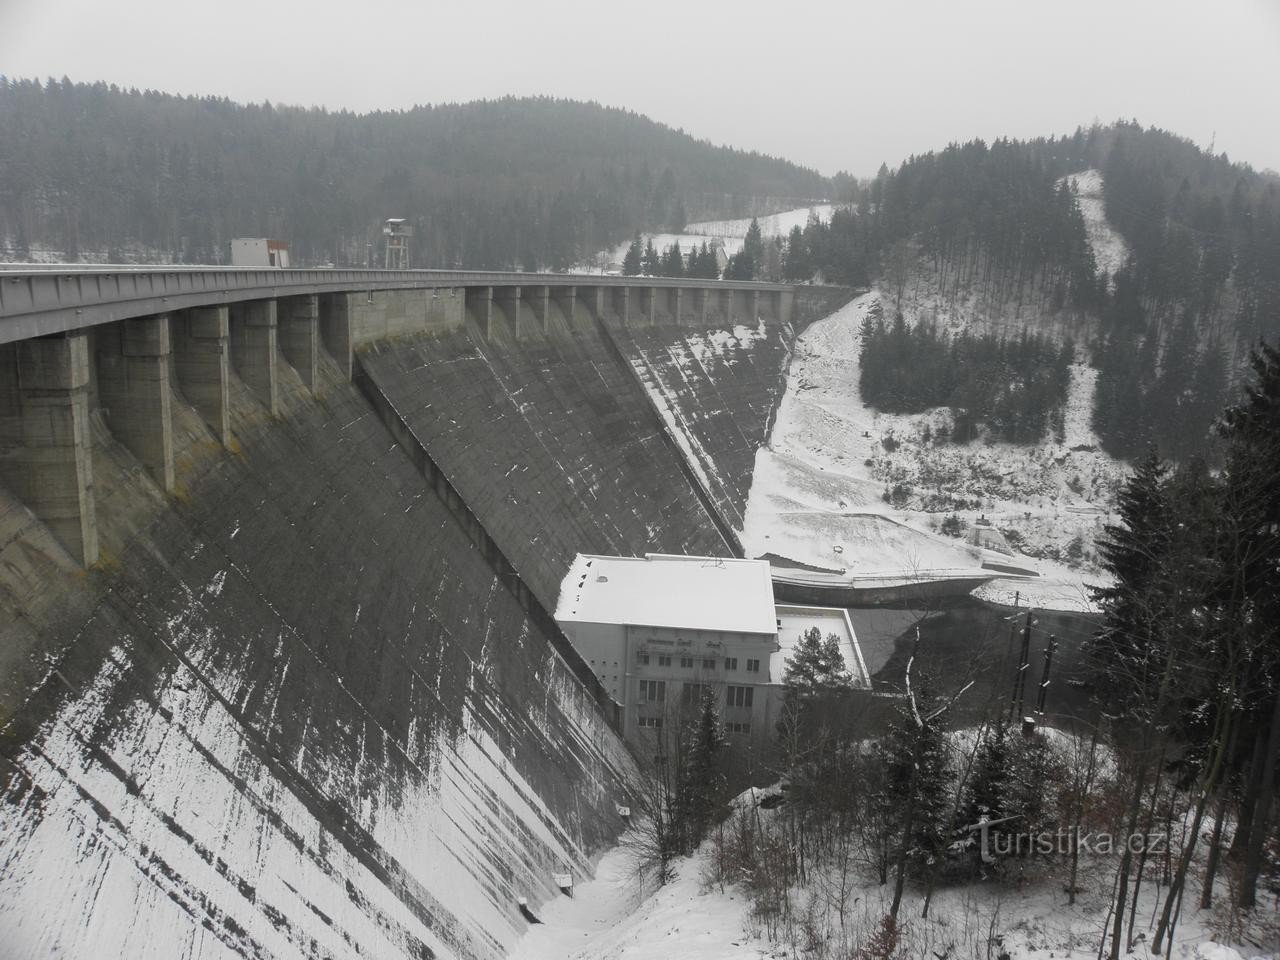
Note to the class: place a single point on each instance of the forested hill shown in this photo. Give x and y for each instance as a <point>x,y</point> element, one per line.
<point>93,170</point>
<point>998,223</point>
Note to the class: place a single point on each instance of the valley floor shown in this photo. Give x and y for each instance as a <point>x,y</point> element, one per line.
<point>1023,917</point>
<point>819,487</point>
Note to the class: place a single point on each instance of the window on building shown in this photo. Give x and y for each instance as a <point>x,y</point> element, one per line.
<point>731,663</point>
<point>753,666</point>
<point>742,728</point>
<point>653,723</point>
<point>739,696</point>
<point>708,663</point>
<point>686,662</point>
<point>664,660</point>
<point>653,691</point>
<point>693,693</point>
<point>642,658</point>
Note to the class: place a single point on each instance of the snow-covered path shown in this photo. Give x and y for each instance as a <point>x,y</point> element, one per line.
<point>608,919</point>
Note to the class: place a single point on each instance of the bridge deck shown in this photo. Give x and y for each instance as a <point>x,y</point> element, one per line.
<point>39,299</point>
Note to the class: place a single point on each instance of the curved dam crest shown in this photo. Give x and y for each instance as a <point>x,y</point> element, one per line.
<point>294,711</point>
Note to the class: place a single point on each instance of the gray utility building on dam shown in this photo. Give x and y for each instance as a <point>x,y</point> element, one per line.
<point>660,630</point>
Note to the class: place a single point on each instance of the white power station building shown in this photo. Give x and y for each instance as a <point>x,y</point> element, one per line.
<point>660,630</point>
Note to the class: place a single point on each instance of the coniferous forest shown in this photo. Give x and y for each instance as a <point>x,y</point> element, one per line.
<point>94,170</point>
<point>1172,328</point>
<point>1016,388</point>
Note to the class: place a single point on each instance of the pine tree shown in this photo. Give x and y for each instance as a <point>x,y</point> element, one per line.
<point>673,261</point>
<point>987,795</point>
<point>1132,551</point>
<point>632,263</point>
<point>753,244</point>
<point>816,666</point>
<point>651,260</point>
<point>704,783</point>
<point>916,801</point>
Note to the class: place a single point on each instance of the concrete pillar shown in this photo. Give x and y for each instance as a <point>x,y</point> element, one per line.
<point>44,436</point>
<point>135,393</point>
<point>536,300</point>
<point>648,305</point>
<point>567,298</point>
<point>507,301</point>
<point>335,329</point>
<point>676,297</point>
<point>479,302</point>
<point>785,299</point>
<point>299,329</point>
<point>202,359</point>
<point>755,307</point>
<point>726,301</point>
<point>700,297</point>
<point>253,349</point>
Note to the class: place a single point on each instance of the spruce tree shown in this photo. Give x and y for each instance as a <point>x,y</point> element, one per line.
<point>673,261</point>
<point>816,666</point>
<point>632,263</point>
<point>704,780</point>
<point>651,260</point>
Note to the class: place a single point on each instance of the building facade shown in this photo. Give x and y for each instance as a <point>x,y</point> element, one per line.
<point>659,631</point>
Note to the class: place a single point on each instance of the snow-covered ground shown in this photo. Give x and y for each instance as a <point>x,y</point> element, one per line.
<point>611,918</point>
<point>817,492</point>
<point>1110,250</point>
<point>1022,915</point>
<point>774,225</point>
<point>730,233</point>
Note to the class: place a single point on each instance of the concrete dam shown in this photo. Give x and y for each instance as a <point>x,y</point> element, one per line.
<point>276,669</point>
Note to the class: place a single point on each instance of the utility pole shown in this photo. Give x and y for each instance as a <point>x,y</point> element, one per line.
<point>1024,664</point>
<point>1044,679</point>
<point>1008,654</point>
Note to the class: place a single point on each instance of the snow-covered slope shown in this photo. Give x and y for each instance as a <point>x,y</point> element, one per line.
<point>1024,916</point>
<point>1110,250</point>
<point>730,233</point>
<point>773,225</point>
<point>818,489</point>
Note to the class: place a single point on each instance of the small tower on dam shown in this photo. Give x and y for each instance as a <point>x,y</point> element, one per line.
<point>397,232</point>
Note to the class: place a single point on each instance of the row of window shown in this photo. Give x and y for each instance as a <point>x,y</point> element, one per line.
<point>655,723</point>
<point>708,663</point>
<point>655,691</point>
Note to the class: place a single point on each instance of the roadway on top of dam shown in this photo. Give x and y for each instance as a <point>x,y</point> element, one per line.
<point>41,299</point>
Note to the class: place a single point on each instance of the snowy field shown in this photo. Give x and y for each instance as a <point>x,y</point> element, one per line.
<point>817,493</point>
<point>728,232</point>
<point>774,225</point>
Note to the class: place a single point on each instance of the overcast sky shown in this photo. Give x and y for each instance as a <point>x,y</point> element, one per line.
<point>839,85</point>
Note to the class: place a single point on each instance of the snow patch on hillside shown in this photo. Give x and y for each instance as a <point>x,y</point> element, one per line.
<point>818,490</point>
<point>774,225</point>
<point>729,233</point>
<point>1110,250</point>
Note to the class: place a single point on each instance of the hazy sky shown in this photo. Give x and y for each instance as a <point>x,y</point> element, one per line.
<point>841,85</point>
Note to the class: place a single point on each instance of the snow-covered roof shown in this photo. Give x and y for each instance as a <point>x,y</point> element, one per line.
<point>661,590</point>
<point>794,620</point>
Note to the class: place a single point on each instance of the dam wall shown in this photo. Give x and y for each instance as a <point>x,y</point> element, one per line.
<point>550,441</point>
<point>291,711</point>
<point>276,674</point>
